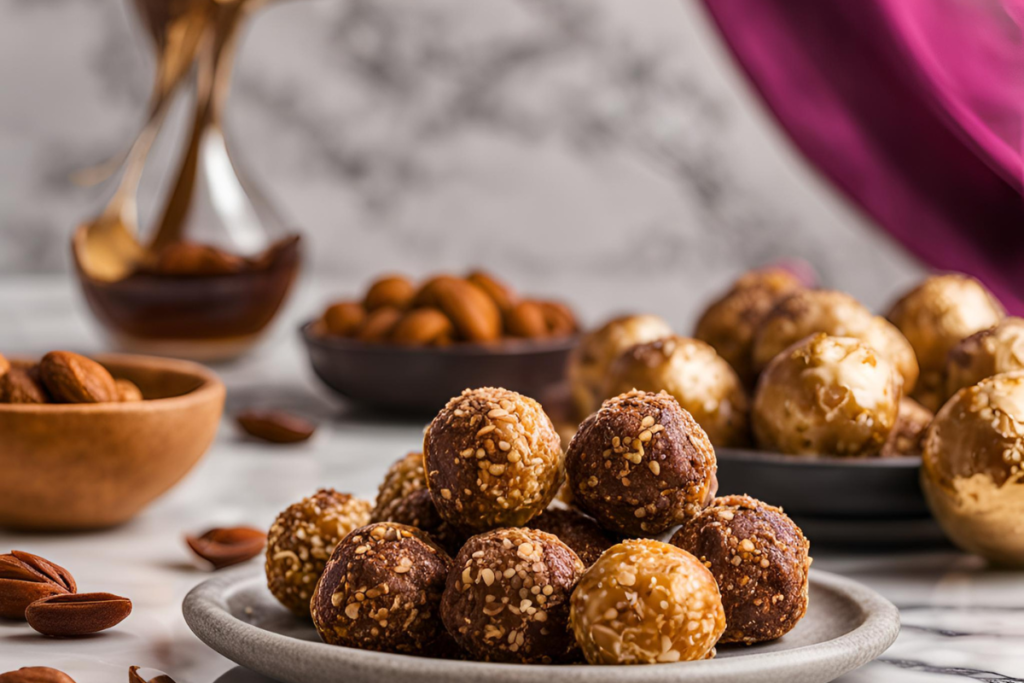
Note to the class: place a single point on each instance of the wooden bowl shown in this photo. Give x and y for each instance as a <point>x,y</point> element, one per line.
<point>421,379</point>
<point>71,467</point>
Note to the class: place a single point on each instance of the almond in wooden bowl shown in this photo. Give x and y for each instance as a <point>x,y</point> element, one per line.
<point>87,466</point>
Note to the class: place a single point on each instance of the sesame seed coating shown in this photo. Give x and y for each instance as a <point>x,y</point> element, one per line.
<point>301,541</point>
<point>578,531</point>
<point>381,591</point>
<point>507,598</point>
<point>641,464</point>
<point>759,558</point>
<point>403,498</point>
<point>647,602</point>
<point>493,459</point>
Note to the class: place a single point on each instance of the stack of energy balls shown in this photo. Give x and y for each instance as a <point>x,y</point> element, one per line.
<point>470,553</point>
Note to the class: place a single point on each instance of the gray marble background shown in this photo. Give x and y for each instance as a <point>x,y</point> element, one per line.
<point>605,150</point>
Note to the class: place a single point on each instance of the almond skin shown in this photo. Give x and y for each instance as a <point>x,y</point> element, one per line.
<point>226,547</point>
<point>25,578</point>
<point>22,385</point>
<point>135,677</point>
<point>71,378</point>
<point>392,290</point>
<point>77,614</point>
<point>503,295</point>
<point>276,426</point>
<point>5,365</point>
<point>422,326</point>
<point>127,392</point>
<point>344,318</point>
<point>526,319</point>
<point>475,315</point>
<point>36,674</point>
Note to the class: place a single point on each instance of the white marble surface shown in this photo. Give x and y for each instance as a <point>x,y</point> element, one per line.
<point>961,620</point>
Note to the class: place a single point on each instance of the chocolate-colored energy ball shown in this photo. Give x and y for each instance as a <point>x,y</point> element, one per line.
<point>912,420</point>
<point>692,373</point>
<point>382,591</point>
<point>647,602</point>
<point>403,498</point>
<point>973,468</point>
<point>759,558</point>
<point>641,464</point>
<point>507,598</point>
<point>984,354</point>
<point>826,395</point>
<point>934,317</point>
<point>492,459</point>
<point>578,531</point>
<point>589,362</point>
<point>301,541</point>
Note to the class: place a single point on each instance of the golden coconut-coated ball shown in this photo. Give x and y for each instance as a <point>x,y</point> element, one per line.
<point>729,323</point>
<point>826,395</point>
<point>692,373</point>
<point>983,354</point>
<point>647,602</point>
<point>596,351</point>
<point>973,468</point>
<point>934,317</point>
<point>493,459</point>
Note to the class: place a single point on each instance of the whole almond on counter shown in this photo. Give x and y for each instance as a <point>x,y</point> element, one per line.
<point>22,385</point>
<point>225,547</point>
<point>71,378</point>
<point>127,392</point>
<point>135,677</point>
<point>36,674</point>
<point>25,578</point>
<point>77,614</point>
<point>276,426</point>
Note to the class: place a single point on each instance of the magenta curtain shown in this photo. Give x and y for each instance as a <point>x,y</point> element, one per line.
<point>912,107</point>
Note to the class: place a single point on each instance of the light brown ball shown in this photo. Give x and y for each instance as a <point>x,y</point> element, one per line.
<point>934,317</point>
<point>911,422</point>
<point>692,373</point>
<point>826,395</point>
<point>590,360</point>
<point>647,602</point>
<point>729,323</point>
<point>984,354</point>
<point>301,541</point>
<point>493,459</point>
<point>973,468</point>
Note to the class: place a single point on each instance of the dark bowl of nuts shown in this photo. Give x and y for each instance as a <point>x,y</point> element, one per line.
<point>409,348</point>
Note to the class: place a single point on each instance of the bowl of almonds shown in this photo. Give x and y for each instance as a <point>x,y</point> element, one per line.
<point>87,443</point>
<point>410,346</point>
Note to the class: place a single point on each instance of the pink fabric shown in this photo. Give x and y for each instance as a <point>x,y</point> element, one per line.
<point>912,107</point>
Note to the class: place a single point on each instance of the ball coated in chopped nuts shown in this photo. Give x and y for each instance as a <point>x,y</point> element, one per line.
<point>990,352</point>
<point>578,531</point>
<point>912,419</point>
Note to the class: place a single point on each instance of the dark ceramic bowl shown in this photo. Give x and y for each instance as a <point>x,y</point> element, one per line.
<point>421,379</point>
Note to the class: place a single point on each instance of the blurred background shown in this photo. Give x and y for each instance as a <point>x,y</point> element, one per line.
<point>610,153</point>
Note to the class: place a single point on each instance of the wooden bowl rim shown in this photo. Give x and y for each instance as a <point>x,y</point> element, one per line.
<point>210,387</point>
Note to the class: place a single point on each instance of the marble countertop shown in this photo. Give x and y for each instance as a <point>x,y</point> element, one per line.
<point>961,620</point>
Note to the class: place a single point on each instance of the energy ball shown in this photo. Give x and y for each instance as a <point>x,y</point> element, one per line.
<point>972,468</point>
<point>912,420</point>
<point>759,558</point>
<point>589,362</point>
<point>403,498</point>
<point>934,317</point>
<point>578,531</point>
<point>826,395</point>
<point>729,323</point>
<point>507,598</point>
<point>983,354</point>
<point>641,464</point>
<point>382,591</point>
<point>692,373</point>
<point>647,602</point>
<point>836,314</point>
<point>301,541</point>
<point>492,459</point>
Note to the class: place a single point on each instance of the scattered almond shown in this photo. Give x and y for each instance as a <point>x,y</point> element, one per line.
<point>276,426</point>
<point>71,378</point>
<point>25,578</point>
<point>135,677</point>
<point>36,674</point>
<point>77,614</point>
<point>223,547</point>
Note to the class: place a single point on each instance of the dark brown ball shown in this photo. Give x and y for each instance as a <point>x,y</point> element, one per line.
<point>507,598</point>
<point>381,591</point>
<point>759,558</point>
<point>403,498</point>
<point>641,465</point>
<point>578,531</point>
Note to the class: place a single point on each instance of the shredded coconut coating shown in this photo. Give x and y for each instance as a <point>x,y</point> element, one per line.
<point>301,541</point>
<point>647,602</point>
<point>507,598</point>
<point>493,459</point>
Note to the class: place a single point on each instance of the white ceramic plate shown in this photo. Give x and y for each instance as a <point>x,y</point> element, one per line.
<point>847,625</point>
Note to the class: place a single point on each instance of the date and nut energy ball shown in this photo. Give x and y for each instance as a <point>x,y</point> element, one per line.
<point>912,420</point>
<point>381,590</point>
<point>641,464</point>
<point>301,541</point>
<point>759,558</point>
<point>826,395</point>
<point>647,602</point>
<point>507,598</point>
<point>990,352</point>
<point>403,498</point>
<point>493,459</point>
<point>578,531</point>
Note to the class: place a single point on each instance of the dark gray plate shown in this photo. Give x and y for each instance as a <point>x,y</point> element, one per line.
<point>847,625</point>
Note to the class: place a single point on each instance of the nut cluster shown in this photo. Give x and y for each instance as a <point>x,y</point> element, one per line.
<point>443,310</point>
<point>63,377</point>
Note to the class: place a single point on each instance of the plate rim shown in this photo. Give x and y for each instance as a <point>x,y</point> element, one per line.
<point>836,461</point>
<point>207,602</point>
